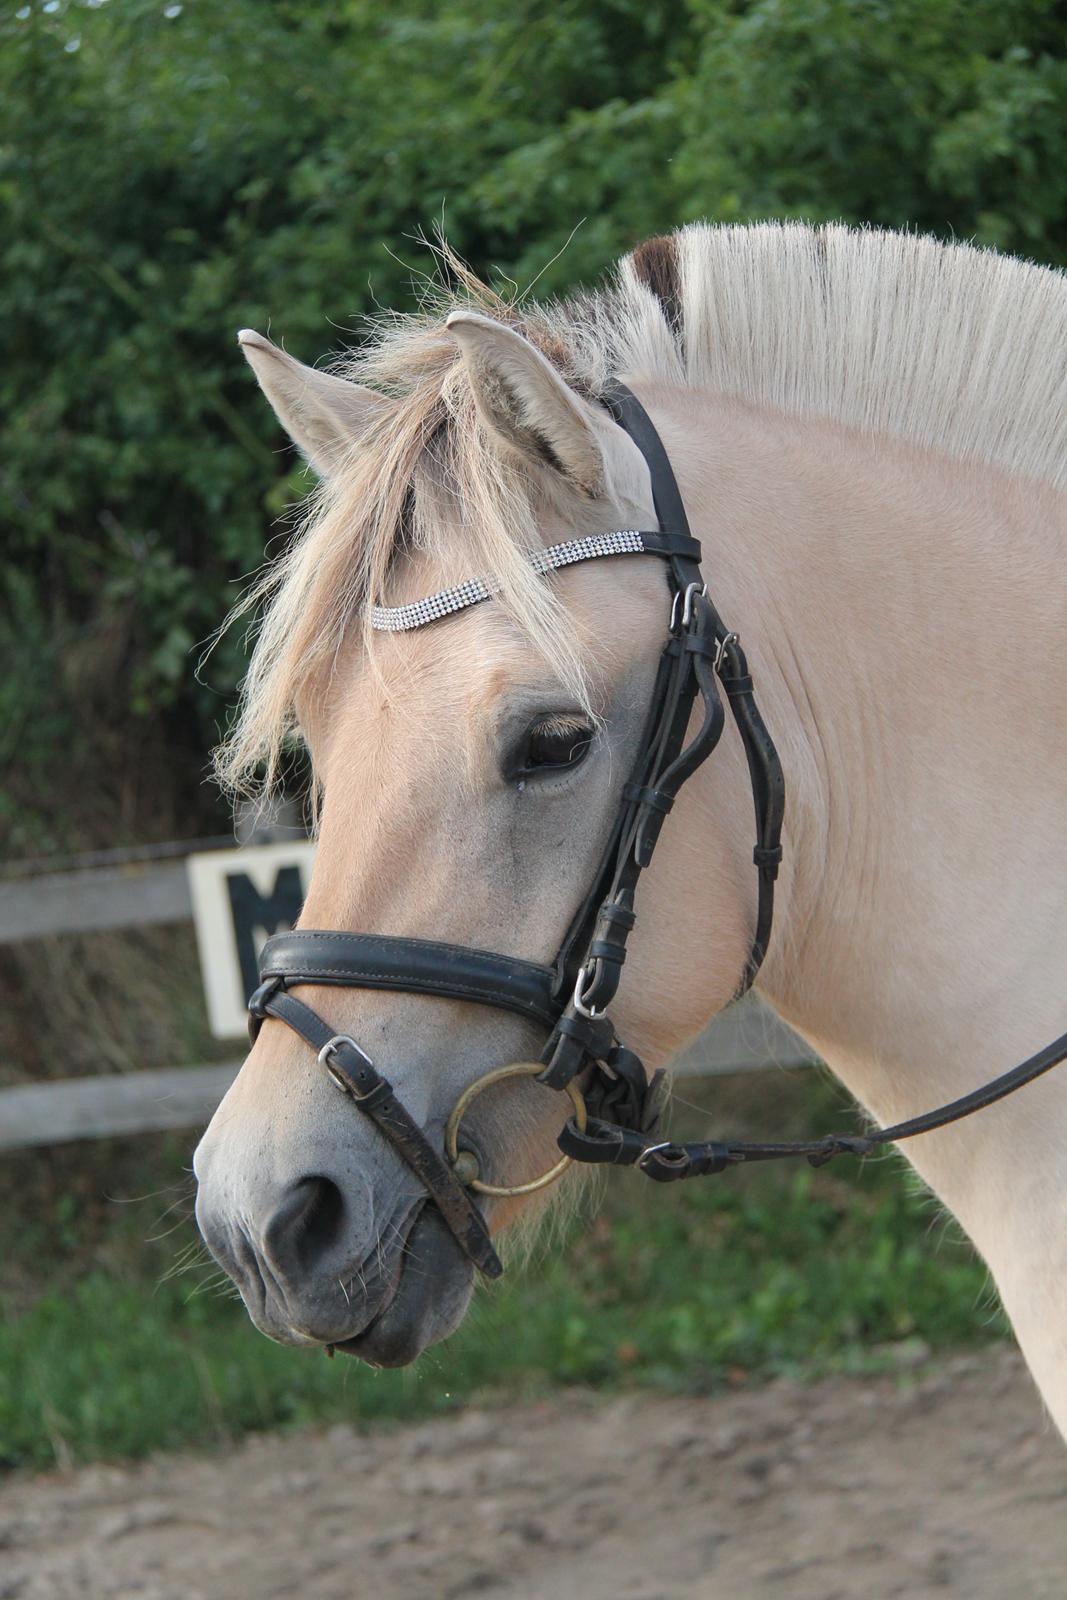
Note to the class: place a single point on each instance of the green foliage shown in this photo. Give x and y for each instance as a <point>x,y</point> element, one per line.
<point>713,1283</point>
<point>945,116</point>
<point>170,172</point>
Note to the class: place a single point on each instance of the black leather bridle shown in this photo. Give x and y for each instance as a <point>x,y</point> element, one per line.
<point>615,1105</point>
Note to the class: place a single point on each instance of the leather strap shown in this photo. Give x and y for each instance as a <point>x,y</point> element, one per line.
<point>700,653</point>
<point>765,770</point>
<point>609,1143</point>
<point>631,416</point>
<point>418,966</point>
<point>355,1074</point>
<point>671,542</point>
<point>768,795</point>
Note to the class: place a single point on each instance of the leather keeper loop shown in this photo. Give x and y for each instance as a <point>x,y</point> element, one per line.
<point>602,1144</point>
<point>258,1001</point>
<point>605,950</point>
<point>612,912</point>
<point>654,799</point>
<point>261,997</point>
<point>676,1161</point>
<point>563,1062</point>
<point>768,858</point>
<point>575,1041</point>
<point>666,542</point>
<point>740,685</point>
<point>708,1159</point>
<point>372,1099</point>
<point>595,1034</point>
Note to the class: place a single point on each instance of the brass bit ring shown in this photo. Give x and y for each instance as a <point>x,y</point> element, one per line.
<point>465,1162</point>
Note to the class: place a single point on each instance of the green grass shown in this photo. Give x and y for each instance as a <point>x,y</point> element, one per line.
<point>683,1289</point>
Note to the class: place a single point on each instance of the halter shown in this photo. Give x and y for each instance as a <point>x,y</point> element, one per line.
<point>615,1111</point>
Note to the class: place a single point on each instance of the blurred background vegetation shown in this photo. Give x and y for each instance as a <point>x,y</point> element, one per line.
<point>170,172</point>
<point>117,1337</point>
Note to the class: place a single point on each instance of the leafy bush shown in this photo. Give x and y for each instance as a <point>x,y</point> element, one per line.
<point>170,172</point>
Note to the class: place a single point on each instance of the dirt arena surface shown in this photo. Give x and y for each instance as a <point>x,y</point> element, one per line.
<point>943,1482</point>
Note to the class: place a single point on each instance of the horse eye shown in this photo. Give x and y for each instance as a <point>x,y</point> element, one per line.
<point>552,745</point>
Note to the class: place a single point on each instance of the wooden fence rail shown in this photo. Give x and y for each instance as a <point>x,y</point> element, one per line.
<point>111,1105</point>
<point>138,895</point>
<point>142,888</point>
<point>744,1039</point>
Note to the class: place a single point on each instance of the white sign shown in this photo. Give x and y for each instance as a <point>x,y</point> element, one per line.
<point>241,897</point>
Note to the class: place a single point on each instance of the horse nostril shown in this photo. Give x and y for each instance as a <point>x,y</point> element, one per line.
<point>305,1225</point>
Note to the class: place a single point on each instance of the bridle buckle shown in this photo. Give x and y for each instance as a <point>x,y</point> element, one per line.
<point>650,1150</point>
<point>686,598</point>
<point>721,648</point>
<point>585,977</point>
<point>336,1077</point>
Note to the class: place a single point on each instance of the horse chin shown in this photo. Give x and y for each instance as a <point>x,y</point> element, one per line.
<point>433,1291</point>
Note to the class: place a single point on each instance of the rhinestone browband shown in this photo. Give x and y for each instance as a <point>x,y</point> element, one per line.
<point>397,619</point>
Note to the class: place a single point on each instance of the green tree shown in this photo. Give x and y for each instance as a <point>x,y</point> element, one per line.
<point>171,172</point>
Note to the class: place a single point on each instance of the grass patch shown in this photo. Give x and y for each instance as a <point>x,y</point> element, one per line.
<point>684,1289</point>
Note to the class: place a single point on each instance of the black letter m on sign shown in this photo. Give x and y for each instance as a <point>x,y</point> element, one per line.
<point>253,911</point>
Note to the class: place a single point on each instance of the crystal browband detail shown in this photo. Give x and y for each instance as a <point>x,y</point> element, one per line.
<point>398,619</point>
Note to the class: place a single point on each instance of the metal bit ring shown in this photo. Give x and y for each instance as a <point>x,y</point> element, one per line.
<point>517,1069</point>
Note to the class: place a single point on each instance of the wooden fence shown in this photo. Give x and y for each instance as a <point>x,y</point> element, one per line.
<point>140,888</point>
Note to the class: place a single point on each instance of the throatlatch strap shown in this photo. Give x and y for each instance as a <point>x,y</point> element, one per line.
<point>768,795</point>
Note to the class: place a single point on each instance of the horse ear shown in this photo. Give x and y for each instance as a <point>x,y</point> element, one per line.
<point>323,415</point>
<point>527,404</point>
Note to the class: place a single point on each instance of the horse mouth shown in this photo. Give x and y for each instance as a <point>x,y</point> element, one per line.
<point>428,1296</point>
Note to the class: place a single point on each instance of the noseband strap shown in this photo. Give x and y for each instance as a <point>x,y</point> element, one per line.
<point>352,1070</point>
<point>419,966</point>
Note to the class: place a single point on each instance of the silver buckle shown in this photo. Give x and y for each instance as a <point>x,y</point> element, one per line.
<point>584,977</point>
<point>331,1045</point>
<point>686,597</point>
<point>335,1077</point>
<point>692,590</point>
<point>721,648</point>
<point>650,1150</point>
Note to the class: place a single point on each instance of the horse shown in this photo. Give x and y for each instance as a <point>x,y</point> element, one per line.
<point>868,431</point>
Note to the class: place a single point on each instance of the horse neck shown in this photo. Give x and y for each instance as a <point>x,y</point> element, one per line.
<point>903,615</point>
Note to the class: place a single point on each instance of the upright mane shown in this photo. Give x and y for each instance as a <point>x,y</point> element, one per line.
<point>945,346</point>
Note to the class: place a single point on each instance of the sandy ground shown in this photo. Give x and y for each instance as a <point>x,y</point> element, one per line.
<point>943,1482</point>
